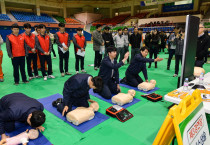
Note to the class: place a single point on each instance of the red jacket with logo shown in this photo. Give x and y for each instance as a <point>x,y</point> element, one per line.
<point>15,45</point>
<point>80,41</point>
<point>44,43</point>
<point>29,40</point>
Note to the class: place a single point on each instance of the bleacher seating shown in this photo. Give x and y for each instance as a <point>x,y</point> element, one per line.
<point>59,18</point>
<point>4,17</point>
<point>71,21</point>
<point>112,21</point>
<point>140,15</point>
<point>31,17</point>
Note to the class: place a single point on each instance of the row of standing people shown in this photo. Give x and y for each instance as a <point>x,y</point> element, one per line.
<point>36,47</point>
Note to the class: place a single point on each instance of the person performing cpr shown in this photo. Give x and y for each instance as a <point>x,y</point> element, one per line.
<point>138,64</point>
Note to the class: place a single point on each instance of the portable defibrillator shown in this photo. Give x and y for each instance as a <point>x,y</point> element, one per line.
<point>120,113</point>
<point>153,97</point>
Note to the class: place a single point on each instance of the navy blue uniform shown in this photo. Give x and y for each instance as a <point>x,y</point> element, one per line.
<point>75,92</point>
<point>16,107</point>
<point>138,64</point>
<point>110,76</point>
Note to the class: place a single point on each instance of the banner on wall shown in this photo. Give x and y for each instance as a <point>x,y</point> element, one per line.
<point>156,2</point>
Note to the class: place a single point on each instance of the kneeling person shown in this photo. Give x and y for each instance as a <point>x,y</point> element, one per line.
<point>21,108</point>
<point>109,73</point>
<point>76,91</point>
<point>138,64</point>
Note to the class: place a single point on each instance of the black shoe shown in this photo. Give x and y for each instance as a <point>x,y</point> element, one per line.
<point>57,102</point>
<point>25,82</point>
<point>168,68</point>
<point>149,66</point>
<point>123,81</point>
<point>16,83</point>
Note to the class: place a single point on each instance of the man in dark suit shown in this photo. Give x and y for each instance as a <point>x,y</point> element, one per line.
<point>76,91</point>
<point>138,65</point>
<point>108,40</point>
<point>21,108</point>
<point>109,73</point>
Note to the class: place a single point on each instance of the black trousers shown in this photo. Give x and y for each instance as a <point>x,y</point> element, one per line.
<point>98,58</point>
<point>109,89</point>
<point>81,60</point>
<point>46,58</point>
<point>77,102</point>
<point>171,54</point>
<point>19,64</point>
<point>134,51</point>
<point>53,51</point>
<point>177,60</point>
<point>32,57</point>
<point>63,57</point>
<point>152,52</point>
<point>133,79</point>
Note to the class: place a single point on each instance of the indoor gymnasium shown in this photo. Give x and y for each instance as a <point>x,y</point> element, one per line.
<point>104,72</point>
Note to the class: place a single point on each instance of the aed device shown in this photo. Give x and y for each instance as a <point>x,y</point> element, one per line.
<point>120,113</point>
<point>153,97</point>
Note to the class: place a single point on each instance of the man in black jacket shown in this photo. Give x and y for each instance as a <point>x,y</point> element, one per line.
<point>135,41</point>
<point>202,46</point>
<point>76,91</point>
<point>108,39</point>
<point>138,65</point>
<point>21,108</point>
<point>109,73</point>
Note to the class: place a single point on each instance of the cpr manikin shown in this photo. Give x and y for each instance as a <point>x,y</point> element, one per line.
<point>198,71</point>
<point>146,86</point>
<point>82,114</point>
<point>121,98</point>
<point>23,138</point>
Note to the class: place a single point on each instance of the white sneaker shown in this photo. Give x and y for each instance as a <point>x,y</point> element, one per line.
<point>175,75</point>
<point>77,72</point>
<point>30,78</point>
<point>54,57</point>
<point>83,71</point>
<point>51,76</point>
<point>62,74</point>
<point>45,78</point>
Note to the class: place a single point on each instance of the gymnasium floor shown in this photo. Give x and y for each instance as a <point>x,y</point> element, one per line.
<point>140,130</point>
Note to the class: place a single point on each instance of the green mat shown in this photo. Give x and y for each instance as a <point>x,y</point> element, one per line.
<point>140,130</point>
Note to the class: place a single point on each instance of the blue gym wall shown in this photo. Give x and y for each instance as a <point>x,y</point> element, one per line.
<point>6,30</point>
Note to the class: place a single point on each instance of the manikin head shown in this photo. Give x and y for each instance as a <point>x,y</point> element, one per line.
<point>132,92</point>
<point>144,51</point>
<point>112,52</point>
<point>61,27</point>
<point>15,29</point>
<point>27,28</point>
<point>96,83</point>
<point>36,119</point>
<point>94,106</point>
<point>153,81</point>
<point>33,134</point>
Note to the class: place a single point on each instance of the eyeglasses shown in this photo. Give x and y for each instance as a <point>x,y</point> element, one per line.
<point>201,27</point>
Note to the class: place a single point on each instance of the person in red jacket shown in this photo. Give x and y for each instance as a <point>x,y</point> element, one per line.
<point>79,45</point>
<point>16,51</point>
<point>30,47</point>
<point>63,41</point>
<point>44,46</point>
